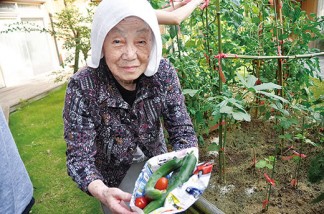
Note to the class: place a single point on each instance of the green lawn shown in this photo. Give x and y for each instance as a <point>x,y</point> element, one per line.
<point>38,131</point>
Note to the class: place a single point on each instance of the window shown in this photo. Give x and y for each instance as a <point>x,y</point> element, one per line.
<point>7,7</point>
<point>25,54</point>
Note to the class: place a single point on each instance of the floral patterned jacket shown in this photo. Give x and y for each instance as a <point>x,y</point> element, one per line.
<point>102,131</point>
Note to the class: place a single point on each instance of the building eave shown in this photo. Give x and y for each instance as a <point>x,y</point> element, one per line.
<point>26,1</point>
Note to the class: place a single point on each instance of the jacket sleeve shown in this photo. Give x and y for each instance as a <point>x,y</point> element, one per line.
<point>79,134</point>
<point>176,118</point>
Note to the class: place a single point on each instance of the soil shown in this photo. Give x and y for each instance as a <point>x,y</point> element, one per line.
<point>246,188</point>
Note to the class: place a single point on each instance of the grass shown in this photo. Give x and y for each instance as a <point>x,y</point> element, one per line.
<point>38,131</point>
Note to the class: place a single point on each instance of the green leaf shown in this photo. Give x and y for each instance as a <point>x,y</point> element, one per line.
<point>190,92</point>
<point>271,159</point>
<point>267,115</point>
<point>237,2</point>
<point>201,139</point>
<point>273,96</point>
<point>241,116</point>
<point>310,142</point>
<point>213,147</point>
<point>269,166</point>
<point>242,80</point>
<point>267,86</point>
<point>285,136</point>
<point>283,111</point>
<point>283,36</point>
<point>256,20</point>
<point>255,9</point>
<point>261,164</point>
<point>173,31</point>
<point>226,110</point>
<point>285,124</point>
<point>192,111</point>
<point>223,103</point>
<point>251,81</point>
<point>236,103</point>
<point>299,136</point>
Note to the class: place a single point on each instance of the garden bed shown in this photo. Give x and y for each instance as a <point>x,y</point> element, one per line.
<point>246,188</point>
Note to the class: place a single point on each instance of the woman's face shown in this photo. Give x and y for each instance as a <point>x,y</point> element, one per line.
<point>127,49</point>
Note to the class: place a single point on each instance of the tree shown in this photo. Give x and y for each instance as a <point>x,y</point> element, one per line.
<point>73,28</point>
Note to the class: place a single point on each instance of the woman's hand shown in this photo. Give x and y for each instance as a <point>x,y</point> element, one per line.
<point>113,198</point>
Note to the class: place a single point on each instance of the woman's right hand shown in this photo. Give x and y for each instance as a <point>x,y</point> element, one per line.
<point>113,198</point>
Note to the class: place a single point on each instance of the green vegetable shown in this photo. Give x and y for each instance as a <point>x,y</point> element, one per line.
<point>186,170</point>
<point>153,205</point>
<point>175,175</point>
<point>179,177</point>
<point>164,170</point>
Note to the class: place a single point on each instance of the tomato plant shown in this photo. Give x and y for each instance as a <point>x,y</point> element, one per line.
<point>141,202</point>
<point>162,183</point>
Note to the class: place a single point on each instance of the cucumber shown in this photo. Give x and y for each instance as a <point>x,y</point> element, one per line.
<point>178,177</point>
<point>153,205</point>
<point>163,171</point>
<point>184,173</point>
<point>175,175</point>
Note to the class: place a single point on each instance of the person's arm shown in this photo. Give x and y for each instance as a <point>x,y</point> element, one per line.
<point>174,16</point>
<point>79,134</point>
<point>16,195</point>
<point>175,5</point>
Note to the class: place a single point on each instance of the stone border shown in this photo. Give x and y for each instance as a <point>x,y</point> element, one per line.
<point>6,112</point>
<point>204,206</point>
<point>9,109</point>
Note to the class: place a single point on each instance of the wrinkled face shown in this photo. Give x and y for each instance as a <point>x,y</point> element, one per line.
<point>127,48</point>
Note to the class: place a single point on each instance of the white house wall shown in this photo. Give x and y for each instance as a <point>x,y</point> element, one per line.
<point>25,55</point>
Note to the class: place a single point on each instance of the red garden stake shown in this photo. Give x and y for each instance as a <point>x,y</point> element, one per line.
<point>214,127</point>
<point>287,157</point>
<point>207,58</point>
<point>299,155</point>
<point>294,183</point>
<point>269,180</point>
<point>271,183</point>
<point>295,153</point>
<point>265,204</point>
<point>220,71</point>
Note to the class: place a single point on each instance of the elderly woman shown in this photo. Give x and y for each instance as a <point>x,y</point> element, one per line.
<point>115,107</point>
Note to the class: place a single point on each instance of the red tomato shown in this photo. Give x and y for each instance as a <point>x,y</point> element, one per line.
<point>141,202</point>
<point>162,183</point>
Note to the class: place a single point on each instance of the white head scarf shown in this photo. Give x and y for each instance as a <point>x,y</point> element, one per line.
<point>109,13</point>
